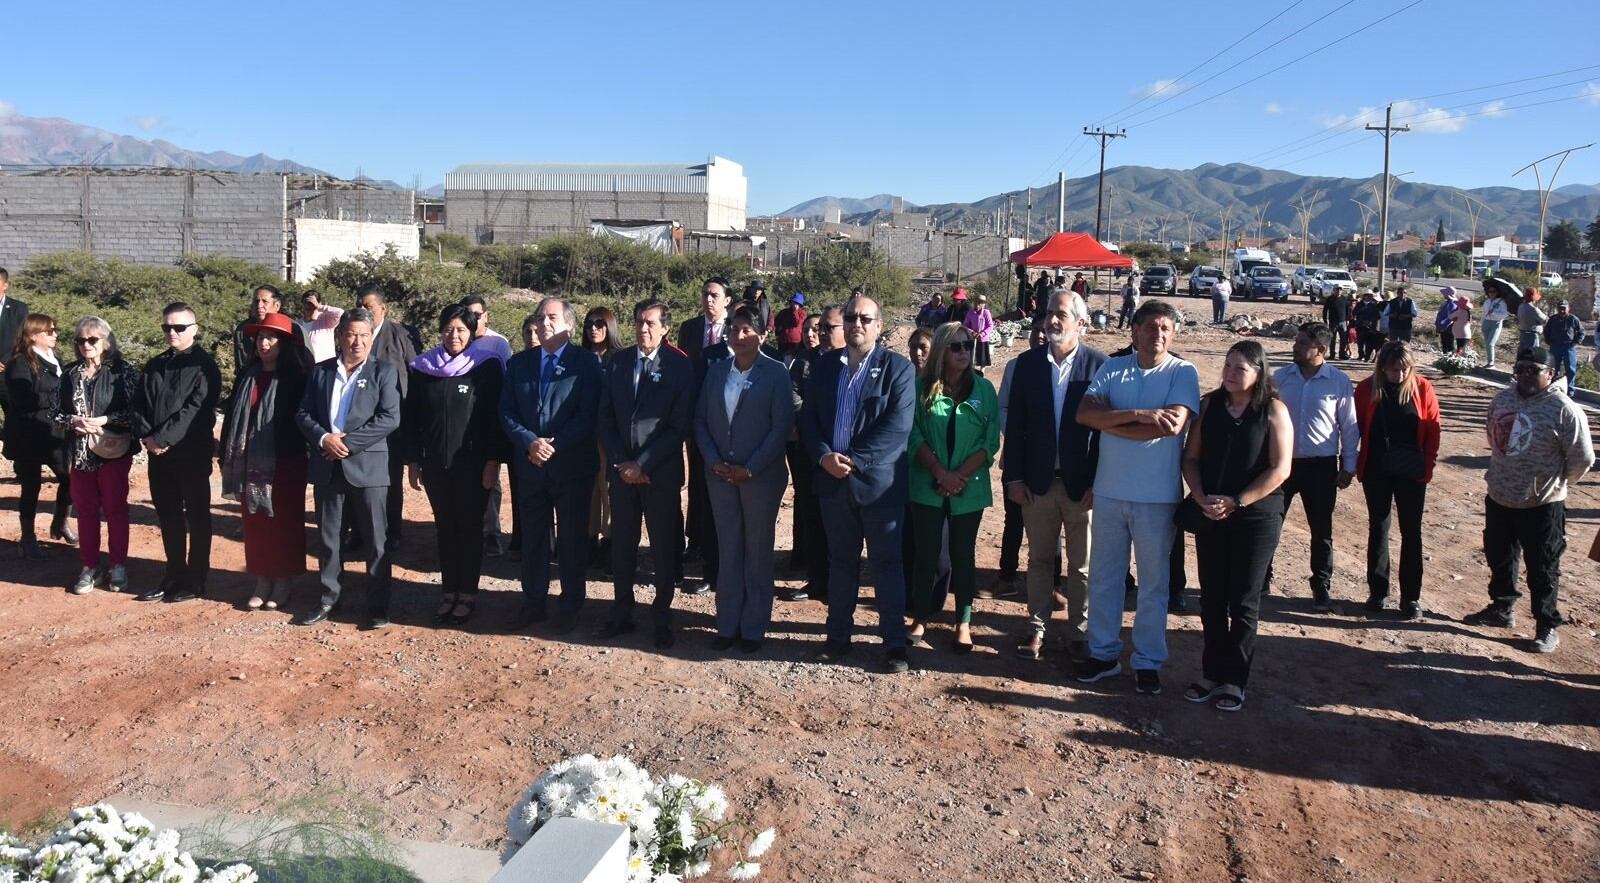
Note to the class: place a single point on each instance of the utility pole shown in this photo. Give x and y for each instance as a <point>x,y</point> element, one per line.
<point>1104,137</point>
<point>1061,202</point>
<point>1027,232</point>
<point>1009,197</point>
<point>1389,130</point>
<point>1544,191</point>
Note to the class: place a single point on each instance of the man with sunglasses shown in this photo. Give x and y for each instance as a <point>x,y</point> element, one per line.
<point>175,412</point>
<point>855,425</point>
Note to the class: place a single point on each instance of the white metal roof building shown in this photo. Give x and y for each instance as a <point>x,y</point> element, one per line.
<point>522,202</point>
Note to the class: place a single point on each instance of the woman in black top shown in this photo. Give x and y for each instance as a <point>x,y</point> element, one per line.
<point>601,337</point>
<point>1235,462</point>
<point>454,446</point>
<point>33,383</point>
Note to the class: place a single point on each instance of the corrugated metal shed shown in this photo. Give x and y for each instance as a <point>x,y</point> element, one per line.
<point>594,177</point>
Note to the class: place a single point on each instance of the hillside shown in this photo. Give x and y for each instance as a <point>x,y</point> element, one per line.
<point>52,141</point>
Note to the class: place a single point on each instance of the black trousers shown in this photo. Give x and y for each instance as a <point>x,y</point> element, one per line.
<point>397,500</point>
<point>801,544</point>
<point>1233,557</point>
<point>808,522</point>
<point>180,490</point>
<point>1341,334</point>
<point>1540,534</point>
<point>1316,481</point>
<point>458,498</point>
<point>31,477</point>
<point>699,526</point>
<point>1368,343</point>
<point>657,507</point>
<point>1406,498</point>
<point>368,512</point>
<point>1010,540</point>
<point>544,504</point>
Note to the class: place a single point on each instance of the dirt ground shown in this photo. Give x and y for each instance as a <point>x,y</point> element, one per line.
<point>1368,749</point>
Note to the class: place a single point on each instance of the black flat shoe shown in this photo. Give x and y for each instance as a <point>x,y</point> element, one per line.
<point>152,595</point>
<point>374,623</point>
<point>313,617</point>
<point>463,610</point>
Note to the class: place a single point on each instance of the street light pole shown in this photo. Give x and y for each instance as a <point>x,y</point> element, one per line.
<point>1474,211</point>
<point>1544,191</point>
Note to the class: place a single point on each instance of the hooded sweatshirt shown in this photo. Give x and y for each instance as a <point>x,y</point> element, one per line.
<point>1537,446</point>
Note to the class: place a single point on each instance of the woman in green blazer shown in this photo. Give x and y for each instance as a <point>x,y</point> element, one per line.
<point>954,439</point>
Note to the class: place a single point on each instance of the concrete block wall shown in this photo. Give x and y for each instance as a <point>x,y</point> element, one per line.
<point>142,219</point>
<point>377,206</point>
<point>935,251</point>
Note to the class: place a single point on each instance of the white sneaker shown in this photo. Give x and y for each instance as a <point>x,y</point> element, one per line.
<point>87,578</point>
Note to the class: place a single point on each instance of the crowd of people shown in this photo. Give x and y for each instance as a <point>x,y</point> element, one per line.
<point>1107,462</point>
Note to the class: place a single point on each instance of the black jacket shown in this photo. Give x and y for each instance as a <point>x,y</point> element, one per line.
<point>448,421</point>
<point>651,424</point>
<point>396,344</point>
<point>30,432</point>
<point>12,313</point>
<point>1034,443</point>
<point>177,402</point>
<point>1336,310</point>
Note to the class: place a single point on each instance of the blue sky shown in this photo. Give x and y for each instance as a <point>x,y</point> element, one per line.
<point>936,101</point>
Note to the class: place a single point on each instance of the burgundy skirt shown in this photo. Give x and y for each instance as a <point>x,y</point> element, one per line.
<point>275,545</point>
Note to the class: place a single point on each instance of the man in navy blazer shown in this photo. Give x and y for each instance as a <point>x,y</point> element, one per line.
<point>855,425</point>
<point>1049,465</point>
<point>548,407</point>
<point>646,408</point>
<point>350,407</point>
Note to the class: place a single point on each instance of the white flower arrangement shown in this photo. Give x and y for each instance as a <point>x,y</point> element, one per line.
<point>100,844</point>
<point>1451,364</point>
<point>675,823</point>
<point>1010,331</point>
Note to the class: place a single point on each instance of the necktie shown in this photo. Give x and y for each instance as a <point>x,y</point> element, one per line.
<point>547,376</point>
<point>639,372</point>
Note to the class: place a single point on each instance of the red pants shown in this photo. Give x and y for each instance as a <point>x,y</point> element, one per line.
<point>103,490</point>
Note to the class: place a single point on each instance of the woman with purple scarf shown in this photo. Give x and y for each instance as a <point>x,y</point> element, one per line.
<point>263,459</point>
<point>453,445</point>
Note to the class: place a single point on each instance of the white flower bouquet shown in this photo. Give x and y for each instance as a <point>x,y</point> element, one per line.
<point>1451,364</point>
<point>1010,331</point>
<point>100,844</point>
<point>675,823</point>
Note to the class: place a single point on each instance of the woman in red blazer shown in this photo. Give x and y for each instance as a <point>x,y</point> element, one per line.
<point>1399,419</point>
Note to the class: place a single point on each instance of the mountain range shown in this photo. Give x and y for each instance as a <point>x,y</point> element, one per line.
<point>52,141</point>
<point>1158,200</point>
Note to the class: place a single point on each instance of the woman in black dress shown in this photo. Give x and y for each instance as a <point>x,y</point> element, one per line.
<point>33,384</point>
<point>1235,461</point>
<point>453,445</point>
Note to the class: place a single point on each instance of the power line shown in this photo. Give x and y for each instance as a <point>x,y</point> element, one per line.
<point>1292,61</point>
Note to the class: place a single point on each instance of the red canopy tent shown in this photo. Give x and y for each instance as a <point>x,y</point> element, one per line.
<point>1071,250</point>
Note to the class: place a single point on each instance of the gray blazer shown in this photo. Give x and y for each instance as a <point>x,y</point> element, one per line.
<point>374,415</point>
<point>753,435</point>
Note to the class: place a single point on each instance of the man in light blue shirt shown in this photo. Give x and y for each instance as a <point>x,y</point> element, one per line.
<point>1322,408</point>
<point>1141,403</point>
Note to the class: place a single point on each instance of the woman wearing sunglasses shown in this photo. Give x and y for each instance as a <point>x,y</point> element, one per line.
<point>95,409</point>
<point>954,438</point>
<point>601,337</point>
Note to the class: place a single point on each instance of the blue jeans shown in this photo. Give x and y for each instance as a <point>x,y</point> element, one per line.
<point>847,526</point>
<point>1491,337</point>
<point>1566,363</point>
<point>1147,529</point>
<point>1219,309</point>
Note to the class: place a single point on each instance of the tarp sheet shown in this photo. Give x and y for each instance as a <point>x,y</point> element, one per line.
<point>656,236</point>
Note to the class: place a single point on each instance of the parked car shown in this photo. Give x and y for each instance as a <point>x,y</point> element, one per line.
<point>1159,279</point>
<point>1359,267</point>
<point>1326,281</point>
<point>1551,280</point>
<point>1202,279</point>
<point>1268,282</point>
<point>1302,275</point>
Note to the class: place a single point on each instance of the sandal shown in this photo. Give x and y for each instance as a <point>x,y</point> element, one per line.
<point>1199,692</point>
<point>466,604</point>
<point>442,615</point>
<point>1232,699</point>
<point>918,635</point>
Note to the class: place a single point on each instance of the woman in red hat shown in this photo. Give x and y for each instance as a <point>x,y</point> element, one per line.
<point>263,458</point>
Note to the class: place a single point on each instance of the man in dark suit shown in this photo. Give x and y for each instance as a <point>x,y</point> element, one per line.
<point>549,408</point>
<point>395,344</point>
<point>646,405</point>
<point>855,424</point>
<point>350,408</point>
<point>12,312</point>
<point>701,339</point>
<point>1049,466</point>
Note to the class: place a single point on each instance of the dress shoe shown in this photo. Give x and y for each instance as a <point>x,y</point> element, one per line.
<point>723,642</point>
<point>152,595</point>
<point>65,534</point>
<point>695,587</point>
<point>312,617</point>
<point>792,595</point>
<point>896,661</point>
<point>186,593</point>
<point>832,651</point>
<point>524,618</point>
<point>614,628</point>
<point>664,638</point>
<point>374,623</point>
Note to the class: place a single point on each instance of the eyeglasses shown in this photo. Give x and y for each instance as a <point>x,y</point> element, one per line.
<point>960,346</point>
<point>597,323</point>
<point>177,328</point>
<point>87,341</point>
<point>1527,368</point>
<point>858,319</point>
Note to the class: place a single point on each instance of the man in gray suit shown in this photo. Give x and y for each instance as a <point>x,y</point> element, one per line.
<point>350,407</point>
<point>646,403</point>
<point>742,420</point>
